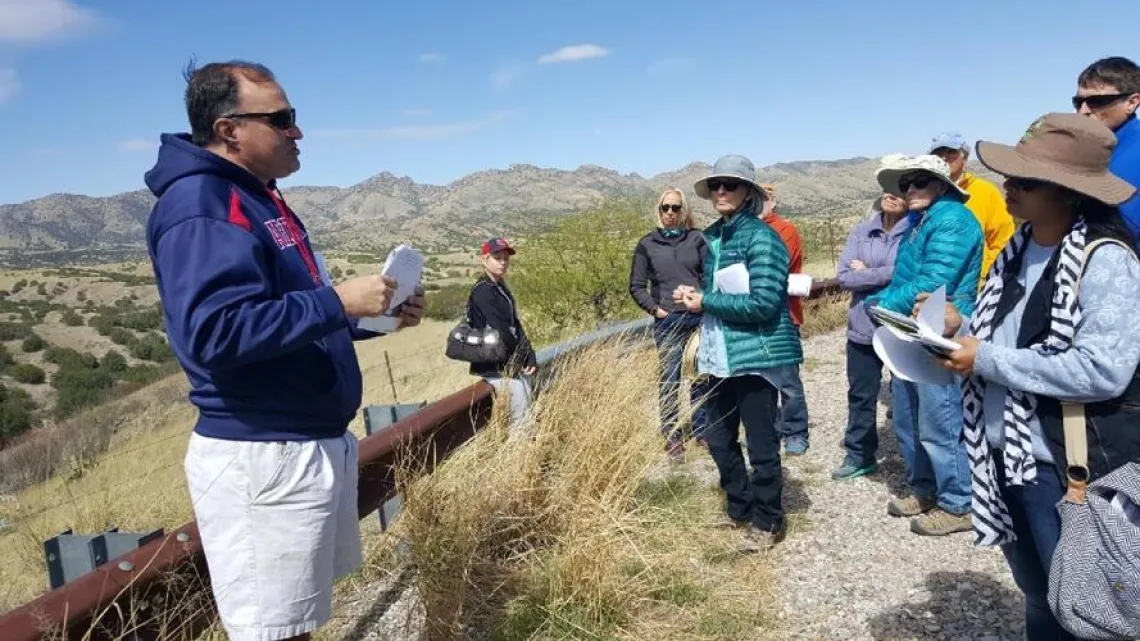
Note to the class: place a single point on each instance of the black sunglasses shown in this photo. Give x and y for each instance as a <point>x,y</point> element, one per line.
<point>675,208</point>
<point>729,185</point>
<point>1023,184</point>
<point>282,119</point>
<point>919,182</point>
<point>1098,102</point>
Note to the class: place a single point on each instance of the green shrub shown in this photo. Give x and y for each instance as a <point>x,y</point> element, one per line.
<point>68,358</point>
<point>151,347</point>
<point>28,374</point>
<point>447,303</point>
<point>15,413</point>
<point>113,363</point>
<point>13,331</point>
<point>71,318</point>
<point>121,336</point>
<point>77,388</point>
<point>33,343</point>
<point>5,356</point>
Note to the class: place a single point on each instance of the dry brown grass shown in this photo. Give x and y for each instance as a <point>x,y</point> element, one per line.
<point>121,463</point>
<point>576,532</point>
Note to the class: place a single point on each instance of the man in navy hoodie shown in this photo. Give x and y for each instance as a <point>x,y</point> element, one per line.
<point>267,344</point>
<point>1109,90</point>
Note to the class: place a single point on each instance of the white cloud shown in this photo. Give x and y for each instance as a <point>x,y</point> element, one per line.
<point>506,75</point>
<point>416,113</point>
<point>574,53</point>
<point>416,132</point>
<point>9,84</point>
<point>432,57</point>
<point>671,66</point>
<point>35,21</point>
<point>137,144</point>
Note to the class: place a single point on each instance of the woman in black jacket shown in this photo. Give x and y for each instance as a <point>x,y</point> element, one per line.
<point>492,304</point>
<point>666,258</point>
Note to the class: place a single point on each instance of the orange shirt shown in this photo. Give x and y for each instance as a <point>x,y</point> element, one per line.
<point>795,245</point>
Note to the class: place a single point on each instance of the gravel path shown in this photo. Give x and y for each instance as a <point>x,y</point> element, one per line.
<point>848,570</point>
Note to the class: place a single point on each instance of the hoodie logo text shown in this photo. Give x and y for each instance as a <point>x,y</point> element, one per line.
<point>280,232</point>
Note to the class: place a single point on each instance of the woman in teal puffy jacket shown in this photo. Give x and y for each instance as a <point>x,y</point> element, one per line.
<point>942,249</point>
<point>747,335</point>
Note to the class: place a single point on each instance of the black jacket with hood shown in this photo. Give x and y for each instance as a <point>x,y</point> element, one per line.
<point>661,264</point>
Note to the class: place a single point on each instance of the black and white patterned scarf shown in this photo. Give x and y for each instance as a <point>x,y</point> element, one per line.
<point>992,525</point>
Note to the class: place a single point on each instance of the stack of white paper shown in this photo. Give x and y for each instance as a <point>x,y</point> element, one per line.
<point>405,265</point>
<point>908,347</point>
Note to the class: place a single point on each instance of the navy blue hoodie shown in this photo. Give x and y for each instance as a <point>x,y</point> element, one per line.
<point>267,347</point>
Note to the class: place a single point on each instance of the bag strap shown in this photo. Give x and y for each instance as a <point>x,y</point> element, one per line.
<point>1073,414</point>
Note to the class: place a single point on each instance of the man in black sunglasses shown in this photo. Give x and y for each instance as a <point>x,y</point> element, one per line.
<point>266,342</point>
<point>1109,90</point>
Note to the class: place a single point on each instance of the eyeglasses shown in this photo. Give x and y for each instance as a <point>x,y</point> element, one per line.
<point>729,185</point>
<point>1023,184</point>
<point>282,119</point>
<point>676,209</point>
<point>918,182</point>
<point>1098,101</point>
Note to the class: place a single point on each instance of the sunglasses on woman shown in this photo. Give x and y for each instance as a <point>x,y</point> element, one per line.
<point>918,182</point>
<point>676,209</point>
<point>282,119</point>
<point>1023,184</point>
<point>729,185</point>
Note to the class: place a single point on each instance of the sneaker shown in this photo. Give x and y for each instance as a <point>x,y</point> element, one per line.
<point>939,522</point>
<point>796,447</point>
<point>758,540</point>
<point>848,471</point>
<point>911,506</point>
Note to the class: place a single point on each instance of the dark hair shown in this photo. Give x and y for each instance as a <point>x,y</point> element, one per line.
<point>1120,73</point>
<point>212,92</point>
<point>1105,221</point>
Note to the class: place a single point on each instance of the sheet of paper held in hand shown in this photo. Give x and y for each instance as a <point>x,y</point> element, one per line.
<point>731,280</point>
<point>405,265</point>
<point>910,347</point>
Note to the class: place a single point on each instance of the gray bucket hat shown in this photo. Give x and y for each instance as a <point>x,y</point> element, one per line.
<point>735,167</point>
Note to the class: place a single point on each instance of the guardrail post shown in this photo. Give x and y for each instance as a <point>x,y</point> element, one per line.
<point>69,556</point>
<point>382,417</point>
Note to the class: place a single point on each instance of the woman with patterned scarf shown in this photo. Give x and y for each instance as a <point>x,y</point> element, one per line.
<point>1043,334</point>
<point>747,336</point>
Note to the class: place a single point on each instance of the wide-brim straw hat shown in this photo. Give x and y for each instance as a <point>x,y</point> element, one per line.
<point>729,167</point>
<point>895,166</point>
<point>1066,149</point>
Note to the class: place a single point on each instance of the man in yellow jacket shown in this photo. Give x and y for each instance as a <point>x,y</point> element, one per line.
<point>986,200</point>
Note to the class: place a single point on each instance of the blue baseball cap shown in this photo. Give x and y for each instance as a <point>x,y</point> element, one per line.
<point>949,140</point>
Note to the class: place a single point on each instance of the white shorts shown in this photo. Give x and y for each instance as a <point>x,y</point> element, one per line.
<point>278,523</point>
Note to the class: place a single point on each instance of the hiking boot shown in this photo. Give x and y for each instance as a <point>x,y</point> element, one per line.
<point>726,522</point>
<point>911,506</point>
<point>758,540</point>
<point>796,447</point>
<point>847,471</point>
<point>939,522</point>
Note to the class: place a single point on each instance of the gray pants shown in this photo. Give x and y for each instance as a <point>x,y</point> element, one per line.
<point>519,393</point>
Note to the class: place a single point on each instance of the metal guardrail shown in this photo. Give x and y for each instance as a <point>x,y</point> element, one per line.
<point>132,596</point>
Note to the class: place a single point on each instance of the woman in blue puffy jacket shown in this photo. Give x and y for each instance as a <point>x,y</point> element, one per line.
<point>942,249</point>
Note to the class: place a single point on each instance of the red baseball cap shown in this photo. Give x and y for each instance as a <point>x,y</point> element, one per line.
<point>497,245</point>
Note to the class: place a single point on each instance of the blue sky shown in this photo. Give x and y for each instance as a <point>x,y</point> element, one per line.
<point>436,90</point>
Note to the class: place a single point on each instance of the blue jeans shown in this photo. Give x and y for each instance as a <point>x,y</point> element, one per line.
<point>792,422</point>
<point>670,335</point>
<point>928,423</point>
<point>864,376</point>
<point>1033,510</point>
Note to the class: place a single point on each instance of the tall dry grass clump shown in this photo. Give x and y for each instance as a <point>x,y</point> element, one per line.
<point>573,530</point>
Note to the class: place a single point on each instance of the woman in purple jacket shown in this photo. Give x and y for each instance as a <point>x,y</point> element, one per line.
<point>865,267</point>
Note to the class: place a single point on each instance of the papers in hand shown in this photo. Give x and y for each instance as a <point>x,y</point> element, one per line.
<point>910,346</point>
<point>799,284</point>
<point>405,265</point>
<point>731,280</point>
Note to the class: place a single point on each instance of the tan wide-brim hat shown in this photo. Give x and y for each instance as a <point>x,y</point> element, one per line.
<point>1066,149</point>
<point>894,166</point>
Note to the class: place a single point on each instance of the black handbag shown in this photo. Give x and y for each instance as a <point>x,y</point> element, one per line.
<point>471,345</point>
